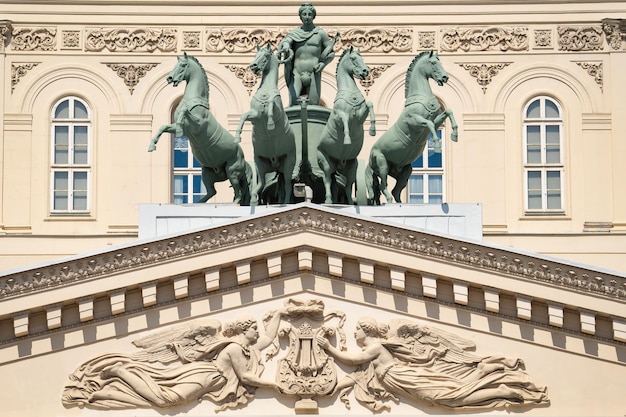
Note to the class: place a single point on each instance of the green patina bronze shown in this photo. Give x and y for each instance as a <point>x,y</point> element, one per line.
<point>341,140</point>
<point>212,145</point>
<point>394,152</point>
<point>272,136</point>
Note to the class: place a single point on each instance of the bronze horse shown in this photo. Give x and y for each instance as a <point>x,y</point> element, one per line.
<point>342,138</point>
<point>212,145</point>
<point>272,137</point>
<point>394,152</point>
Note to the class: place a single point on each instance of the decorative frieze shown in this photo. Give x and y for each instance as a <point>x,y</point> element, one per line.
<point>484,72</point>
<point>130,39</point>
<point>595,70</point>
<point>615,32</point>
<point>440,248</point>
<point>34,39</point>
<point>18,70</point>
<point>375,39</point>
<point>131,73</point>
<point>502,39</point>
<point>238,40</point>
<point>242,40</point>
<point>580,38</point>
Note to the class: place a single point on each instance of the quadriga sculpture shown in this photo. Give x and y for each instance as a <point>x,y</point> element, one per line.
<point>272,137</point>
<point>394,152</point>
<point>212,145</point>
<point>342,137</point>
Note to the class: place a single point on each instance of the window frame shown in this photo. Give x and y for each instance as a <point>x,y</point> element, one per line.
<point>73,169</point>
<point>543,167</point>
<point>427,172</point>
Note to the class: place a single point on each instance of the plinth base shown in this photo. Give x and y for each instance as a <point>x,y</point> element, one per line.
<point>306,406</point>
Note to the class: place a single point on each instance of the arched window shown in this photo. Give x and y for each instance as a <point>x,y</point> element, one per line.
<point>426,184</point>
<point>543,156</point>
<point>70,157</point>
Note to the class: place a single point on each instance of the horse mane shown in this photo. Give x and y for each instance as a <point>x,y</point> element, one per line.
<point>202,71</point>
<point>340,58</point>
<point>410,70</point>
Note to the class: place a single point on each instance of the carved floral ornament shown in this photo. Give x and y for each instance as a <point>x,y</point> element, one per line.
<point>580,38</point>
<point>131,73</point>
<point>444,249</point>
<point>400,361</point>
<point>130,39</point>
<point>484,39</point>
<point>18,70</point>
<point>615,32</point>
<point>33,39</point>
<point>484,72</point>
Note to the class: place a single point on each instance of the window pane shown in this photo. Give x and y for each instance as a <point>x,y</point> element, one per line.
<point>418,163</point>
<point>61,145</point>
<point>80,181</point>
<point>63,110</point>
<point>180,199</point>
<point>553,144</point>
<point>552,111</point>
<point>61,192</point>
<point>181,155</point>
<point>199,190</point>
<point>434,159</point>
<point>534,109</point>
<point>180,184</point>
<point>81,145</point>
<point>534,190</point>
<point>416,184</point>
<point>533,144</point>
<point>435,184</point>
<point>196,164</point>
<point>554,190</point>
<point>80,111</point>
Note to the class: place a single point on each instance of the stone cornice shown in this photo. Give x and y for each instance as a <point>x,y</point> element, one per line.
<point>308,218</point>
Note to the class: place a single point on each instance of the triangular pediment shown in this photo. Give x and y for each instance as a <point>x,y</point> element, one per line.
<point>507,302</point>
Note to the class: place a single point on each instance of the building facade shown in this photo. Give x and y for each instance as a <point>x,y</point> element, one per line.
<point>536,89</point>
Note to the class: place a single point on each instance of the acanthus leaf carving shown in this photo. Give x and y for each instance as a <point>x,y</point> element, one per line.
<point>130,39</point>
<point>248,78</point>
<point>18,70</point>
<point>34,39</point>
<point>580,38</point>
<point>484,72</point>
<point>595,70</point>
<point>485,39</point>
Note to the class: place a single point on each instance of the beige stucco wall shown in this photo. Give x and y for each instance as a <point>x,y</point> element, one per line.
<point>484,167</point>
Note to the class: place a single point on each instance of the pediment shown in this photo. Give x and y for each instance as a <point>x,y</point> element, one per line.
<point>507,302</point>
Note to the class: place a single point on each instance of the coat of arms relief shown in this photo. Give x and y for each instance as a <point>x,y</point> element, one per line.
<point>399,361</point>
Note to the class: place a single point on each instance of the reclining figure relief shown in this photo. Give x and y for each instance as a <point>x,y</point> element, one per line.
<point>431,367</point>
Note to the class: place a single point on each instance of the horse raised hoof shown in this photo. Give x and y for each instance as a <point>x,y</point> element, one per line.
<point>454,137</point>
<point>347,140</point>
<point>237,139</point>
<point>372,131</point>
<point>152,147</point>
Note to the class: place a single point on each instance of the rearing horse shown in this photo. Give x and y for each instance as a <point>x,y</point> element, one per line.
<point>272,137</point>
<point>342,137</point>
<point>212,145</point>
<point>394,152</point>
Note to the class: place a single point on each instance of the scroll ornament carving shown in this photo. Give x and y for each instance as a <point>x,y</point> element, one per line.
<point>375,72</point>
<point>248,78</point>
<point>615,32</point>
<point>131,73</point>
<point>400,361</point>
<point>446,250</point>
<point>485,39</point>
<point>20,70</point>
<point>580,38</point>
<point>127,40</point>
<point>484,72</point>
<point>33,39</point>
<point>242,40</point>
<point>595,70</point>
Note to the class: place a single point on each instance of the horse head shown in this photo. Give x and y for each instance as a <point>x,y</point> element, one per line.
<point>354,65</point>
<point>262,59</point>
<point>179,73</point>
<point>434,69</point>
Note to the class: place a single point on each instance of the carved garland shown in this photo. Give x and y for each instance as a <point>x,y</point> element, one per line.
<point>416,243</point>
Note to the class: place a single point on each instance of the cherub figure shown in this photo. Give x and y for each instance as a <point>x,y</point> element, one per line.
<point>430,366</point>
<point>178,366</point>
